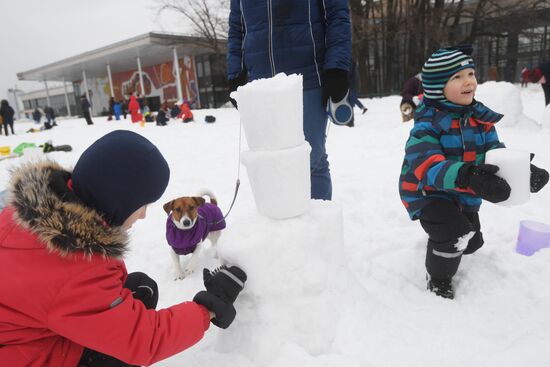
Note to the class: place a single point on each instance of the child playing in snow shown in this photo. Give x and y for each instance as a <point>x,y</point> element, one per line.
<point>72,302</point>
<point>444,177</point>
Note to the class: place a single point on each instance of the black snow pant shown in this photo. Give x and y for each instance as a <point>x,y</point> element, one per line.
<point>88,117</point>
<point>445,223</point>
<point>6,128</point>
<point>546,89</point>
<point>144,289</point>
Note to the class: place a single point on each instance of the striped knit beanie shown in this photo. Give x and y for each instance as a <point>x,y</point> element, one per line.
<point>441,65</point>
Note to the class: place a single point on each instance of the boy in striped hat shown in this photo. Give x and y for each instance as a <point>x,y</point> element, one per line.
<point>444,177</point>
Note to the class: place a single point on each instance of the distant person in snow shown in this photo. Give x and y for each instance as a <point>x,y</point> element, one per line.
<point>353,98</point>
<point>63,235</point>
<point>524,77</point>
<point>36,116</point>
<point>544,68</point>
<point>411,89</point>
<point>134,109</point>
<point>443,177</point>
<point>85,105</point>
<point>6,112</point>
<point>50,116</point>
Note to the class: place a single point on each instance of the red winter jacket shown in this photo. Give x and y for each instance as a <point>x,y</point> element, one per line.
<point>61,286</point>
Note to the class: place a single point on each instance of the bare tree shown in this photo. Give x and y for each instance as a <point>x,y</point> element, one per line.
<point>208,20</point>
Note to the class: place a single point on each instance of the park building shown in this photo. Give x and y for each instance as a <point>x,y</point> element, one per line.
<point>143,65</point>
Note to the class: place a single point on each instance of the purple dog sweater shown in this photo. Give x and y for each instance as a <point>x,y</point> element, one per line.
<point>184,241</point>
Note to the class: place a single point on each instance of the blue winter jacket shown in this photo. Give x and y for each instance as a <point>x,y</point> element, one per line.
<point>443,138</point>
<point>305,37</point>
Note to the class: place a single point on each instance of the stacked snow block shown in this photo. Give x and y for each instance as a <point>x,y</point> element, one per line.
<point>278,160</point>
<point>515,167</point>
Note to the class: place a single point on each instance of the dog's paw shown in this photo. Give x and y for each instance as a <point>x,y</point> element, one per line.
<point>180,276</point>
<point>188,272</point>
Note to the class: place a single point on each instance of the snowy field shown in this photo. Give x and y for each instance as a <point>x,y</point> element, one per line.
<point>380,311</point>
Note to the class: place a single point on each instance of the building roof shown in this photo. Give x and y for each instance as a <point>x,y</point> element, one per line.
<point>152,48</point>
<point>53,91</point>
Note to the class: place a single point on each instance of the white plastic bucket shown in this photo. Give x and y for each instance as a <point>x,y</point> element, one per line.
<point>272,112</point>
<point>515,168</point>
<point>280,181</point>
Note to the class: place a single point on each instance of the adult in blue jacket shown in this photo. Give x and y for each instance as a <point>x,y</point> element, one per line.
<point>308,37</point>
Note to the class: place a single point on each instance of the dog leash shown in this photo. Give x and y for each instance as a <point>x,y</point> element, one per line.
<point>238,182</point>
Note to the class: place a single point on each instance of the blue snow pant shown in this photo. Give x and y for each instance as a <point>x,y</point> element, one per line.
<point>315,125</point>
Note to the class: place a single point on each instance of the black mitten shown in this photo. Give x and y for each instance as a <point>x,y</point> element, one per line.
<point>225,312</point>
<point>225,282</point>
<point>539,178</point>
<point>235,83</point>
<point>335,85</point>
<point>484,182</point>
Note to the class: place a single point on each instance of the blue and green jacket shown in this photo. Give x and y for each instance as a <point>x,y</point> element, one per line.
<point>445,136</point>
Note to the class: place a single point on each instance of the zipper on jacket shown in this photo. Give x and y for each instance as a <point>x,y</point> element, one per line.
<point>270,21</point>
<point>462,135</point>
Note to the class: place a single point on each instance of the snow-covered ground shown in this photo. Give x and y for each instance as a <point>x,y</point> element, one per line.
<point>383,316</point>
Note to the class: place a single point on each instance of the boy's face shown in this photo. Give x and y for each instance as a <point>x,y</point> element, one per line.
<point>138,214</point>
<point>461,87</point>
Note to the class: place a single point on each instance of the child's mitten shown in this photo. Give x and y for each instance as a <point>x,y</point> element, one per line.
<point>225,282</point>
<point>539,177</point>
<point>484,182</point>
<point>224,312</point>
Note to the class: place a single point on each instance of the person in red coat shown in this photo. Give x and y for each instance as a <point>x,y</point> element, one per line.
<point>133,108</point>
<point>66,299</point>
<point>185,112</point>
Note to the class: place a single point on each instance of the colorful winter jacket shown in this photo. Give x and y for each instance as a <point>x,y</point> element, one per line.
<point>185,241</point>
<point>62,285</point>
<point>305,37</point>
<point>443,138</point>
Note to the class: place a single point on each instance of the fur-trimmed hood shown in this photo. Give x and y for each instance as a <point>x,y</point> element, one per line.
<point>65,226</point>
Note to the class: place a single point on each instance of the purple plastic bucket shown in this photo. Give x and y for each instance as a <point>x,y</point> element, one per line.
<point>532,237</point>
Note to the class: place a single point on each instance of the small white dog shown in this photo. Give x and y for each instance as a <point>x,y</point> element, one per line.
<point>190,221</point>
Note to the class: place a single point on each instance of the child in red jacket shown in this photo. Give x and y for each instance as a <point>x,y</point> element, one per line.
<point>63,234</point>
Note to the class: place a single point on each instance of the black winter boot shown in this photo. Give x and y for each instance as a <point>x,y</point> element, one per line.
<point>441,287</point>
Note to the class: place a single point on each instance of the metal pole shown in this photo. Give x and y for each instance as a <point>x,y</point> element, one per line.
<point>47,93</point>
<point>86,87</point>
<point>197,83</point>
<point>110,80</point>
<point>16,102</point>
<point>67,98</point>
<point>178,77</point>
<point>141,78</point>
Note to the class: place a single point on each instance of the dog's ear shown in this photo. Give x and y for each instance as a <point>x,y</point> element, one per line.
<point>199,200</point>
<point>168,206</point>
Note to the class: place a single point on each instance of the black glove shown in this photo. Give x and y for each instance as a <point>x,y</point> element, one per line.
<point>335,85</point>
<point>484,182</point>
<point>539,178</point>
<point>223,285</point>
<point>235,83</point>
<point>225,312</point>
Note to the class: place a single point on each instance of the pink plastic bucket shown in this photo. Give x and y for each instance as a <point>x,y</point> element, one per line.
<point>532,237</point>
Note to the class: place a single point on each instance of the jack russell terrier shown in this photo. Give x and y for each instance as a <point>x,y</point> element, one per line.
<point>190,221</point>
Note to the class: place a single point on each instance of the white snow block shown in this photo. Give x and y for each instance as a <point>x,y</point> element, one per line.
<point>280,180</point>
<point>545,122</point>
<point>272,112</point>
<point>296,285</point>
<point>515,169</point>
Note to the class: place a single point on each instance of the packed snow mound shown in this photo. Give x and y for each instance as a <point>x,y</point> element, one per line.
<point>505,98</point>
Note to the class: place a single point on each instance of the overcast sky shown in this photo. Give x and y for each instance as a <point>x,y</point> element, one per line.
<point>38,32</point>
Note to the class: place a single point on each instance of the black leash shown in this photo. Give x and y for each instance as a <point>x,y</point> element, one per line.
<point>237,183</point>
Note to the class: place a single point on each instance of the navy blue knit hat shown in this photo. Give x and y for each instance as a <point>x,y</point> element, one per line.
<point>441,65</point>
<point>118,174</point>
